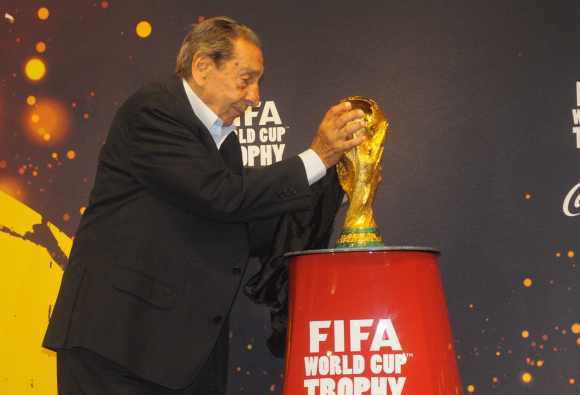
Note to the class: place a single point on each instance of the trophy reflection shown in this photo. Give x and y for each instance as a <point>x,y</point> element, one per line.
<point>358,171</point>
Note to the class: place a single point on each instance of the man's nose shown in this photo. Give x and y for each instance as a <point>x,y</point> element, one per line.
<point>253,95</point>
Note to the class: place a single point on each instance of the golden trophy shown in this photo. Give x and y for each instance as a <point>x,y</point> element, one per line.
<point>358,171</point>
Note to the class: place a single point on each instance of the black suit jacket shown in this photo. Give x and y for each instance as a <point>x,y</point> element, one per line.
<point>161,248</point>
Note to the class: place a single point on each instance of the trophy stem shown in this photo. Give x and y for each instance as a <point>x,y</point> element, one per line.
<point>360,237</point>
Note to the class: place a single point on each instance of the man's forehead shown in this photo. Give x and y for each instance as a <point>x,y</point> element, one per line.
<point>243,45</point>
<point>247,56</point>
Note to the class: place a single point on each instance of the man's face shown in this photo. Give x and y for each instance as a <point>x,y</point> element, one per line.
<point>233,86</point>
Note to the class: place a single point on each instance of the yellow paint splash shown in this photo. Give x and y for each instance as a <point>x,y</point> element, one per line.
<point>29,282</point>
<point>64,242</point>
<point>17,216</point>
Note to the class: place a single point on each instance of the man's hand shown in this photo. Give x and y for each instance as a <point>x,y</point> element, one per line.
<point>331,138</point>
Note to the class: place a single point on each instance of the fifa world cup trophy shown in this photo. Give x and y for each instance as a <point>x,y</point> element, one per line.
<point>358,171</point>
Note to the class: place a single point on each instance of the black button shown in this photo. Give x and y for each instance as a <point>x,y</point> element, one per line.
<point>287,192</point>
<point>217,319</point>
<point>293,191</point>
<point>237,270</point>
<point>282,194</point>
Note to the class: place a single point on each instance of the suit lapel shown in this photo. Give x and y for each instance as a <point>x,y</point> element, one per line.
<point>230,149</point>
<point>232,153</point>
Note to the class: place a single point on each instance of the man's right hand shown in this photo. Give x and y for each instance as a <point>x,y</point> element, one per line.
<point>334,132</point>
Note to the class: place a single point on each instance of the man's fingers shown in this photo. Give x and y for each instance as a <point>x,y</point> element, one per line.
<point>351,128</point>
<point>347,117</point>
<point>334,135</point>
<point>338,116</point>
<point>335,112</point>
<point>354,142</point>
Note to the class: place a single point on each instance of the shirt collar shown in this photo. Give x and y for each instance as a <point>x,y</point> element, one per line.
<point>211,121</point>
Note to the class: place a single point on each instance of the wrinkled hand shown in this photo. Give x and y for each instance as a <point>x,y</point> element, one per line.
<point>331,139</point>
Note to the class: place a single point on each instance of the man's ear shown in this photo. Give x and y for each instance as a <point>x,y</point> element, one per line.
<point>201,65</point>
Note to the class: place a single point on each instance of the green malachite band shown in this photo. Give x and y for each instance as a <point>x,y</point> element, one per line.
<point>360,244</point>
<point>359,230</point>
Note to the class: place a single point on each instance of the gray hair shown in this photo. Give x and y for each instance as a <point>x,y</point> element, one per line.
<point>214,37</point>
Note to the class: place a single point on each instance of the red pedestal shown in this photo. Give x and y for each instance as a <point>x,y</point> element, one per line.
<point>368,322</point>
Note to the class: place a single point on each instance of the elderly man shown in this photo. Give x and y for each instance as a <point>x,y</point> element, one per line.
<point>161,248</point>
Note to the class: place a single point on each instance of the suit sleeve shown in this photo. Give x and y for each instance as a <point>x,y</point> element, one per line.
<point>170,158</point>
<point>298,231</point>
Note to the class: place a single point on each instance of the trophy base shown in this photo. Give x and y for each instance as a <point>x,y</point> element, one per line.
<point>360,237</point>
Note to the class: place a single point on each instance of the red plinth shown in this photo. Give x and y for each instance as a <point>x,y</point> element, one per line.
<point>369,322</point>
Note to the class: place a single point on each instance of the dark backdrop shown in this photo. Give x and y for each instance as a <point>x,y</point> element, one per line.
<point>479,157</point>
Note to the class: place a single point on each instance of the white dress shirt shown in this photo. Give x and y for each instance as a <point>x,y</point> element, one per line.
<point>314,166</point>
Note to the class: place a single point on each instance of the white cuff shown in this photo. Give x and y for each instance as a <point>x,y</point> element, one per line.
<point>314,166</point>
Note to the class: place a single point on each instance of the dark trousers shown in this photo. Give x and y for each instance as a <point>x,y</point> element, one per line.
<point>80,371</point>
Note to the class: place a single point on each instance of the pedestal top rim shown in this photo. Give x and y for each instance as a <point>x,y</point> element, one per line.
<point>364,249</point>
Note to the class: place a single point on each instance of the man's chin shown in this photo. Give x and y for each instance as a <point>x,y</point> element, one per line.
<point>229,121</point>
